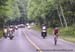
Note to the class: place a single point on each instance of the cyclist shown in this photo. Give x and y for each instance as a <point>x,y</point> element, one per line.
<point>55,31</point>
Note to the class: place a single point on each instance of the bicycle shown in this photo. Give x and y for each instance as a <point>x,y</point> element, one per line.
<point>55,39</point>
<point>55,32</point>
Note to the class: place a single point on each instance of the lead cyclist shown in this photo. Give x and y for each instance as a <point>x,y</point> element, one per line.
<point>55,32</point>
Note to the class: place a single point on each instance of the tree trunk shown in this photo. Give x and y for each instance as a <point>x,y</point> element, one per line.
<point>61,11</point>
<point>59,16</point>
<point>71,1</point>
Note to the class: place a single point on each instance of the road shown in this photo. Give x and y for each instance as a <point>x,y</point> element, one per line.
<point>30,41</point>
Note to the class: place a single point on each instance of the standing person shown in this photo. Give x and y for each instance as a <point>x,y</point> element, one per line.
<point>55,32</point>
<point>8,31</point>
<point>44,31</point>
<point>5,32</point>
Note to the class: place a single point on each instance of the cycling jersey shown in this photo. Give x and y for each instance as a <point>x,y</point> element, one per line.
<point>56,31</point>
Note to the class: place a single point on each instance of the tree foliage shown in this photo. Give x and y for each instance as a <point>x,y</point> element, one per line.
<point>61,12</point>
<point>9,9</point>
<point>51,12</point>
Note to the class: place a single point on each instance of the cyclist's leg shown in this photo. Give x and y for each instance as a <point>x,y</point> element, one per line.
<point>55,38</point>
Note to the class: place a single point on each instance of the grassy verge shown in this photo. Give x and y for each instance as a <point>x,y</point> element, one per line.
<point>67,38</point>
<point>37,28</point>
<point>67,34</point>
<point>1,33</point>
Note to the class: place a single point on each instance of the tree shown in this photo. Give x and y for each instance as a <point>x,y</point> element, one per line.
<point>52,9</point>
<point>3,10</point>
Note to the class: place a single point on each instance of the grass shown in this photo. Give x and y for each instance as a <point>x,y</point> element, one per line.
<point>67,34</point>
<point>70,39</point>
<point>1,33</point>
<point>37,28</point>
<point>50,31</point>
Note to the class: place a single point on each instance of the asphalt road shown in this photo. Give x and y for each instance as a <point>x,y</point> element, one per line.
<point>18,44</point>
<point>47,45</point>
<point>26,40</point>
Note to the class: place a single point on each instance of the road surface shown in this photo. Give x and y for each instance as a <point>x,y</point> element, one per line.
<point>26,40</point>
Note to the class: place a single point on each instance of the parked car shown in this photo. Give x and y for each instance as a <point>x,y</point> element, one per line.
<point>21,26</point>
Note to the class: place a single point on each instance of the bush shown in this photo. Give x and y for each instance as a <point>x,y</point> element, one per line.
<point>69,31</point>
<point>50,31</point>
<point>36,27</point>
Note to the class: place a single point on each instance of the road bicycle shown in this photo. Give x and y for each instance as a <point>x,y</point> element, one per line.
<point>55,39</point>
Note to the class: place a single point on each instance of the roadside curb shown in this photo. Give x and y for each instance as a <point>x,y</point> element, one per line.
<point>1,38</point>
<point>67,41</point>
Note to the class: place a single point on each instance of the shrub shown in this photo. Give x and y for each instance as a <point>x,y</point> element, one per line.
<point>69,31</point>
